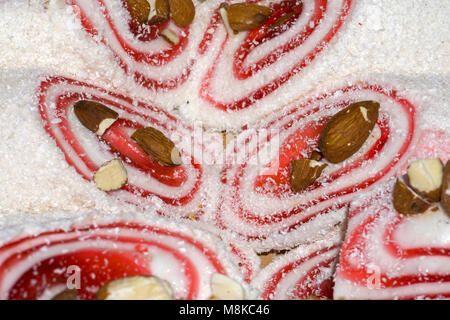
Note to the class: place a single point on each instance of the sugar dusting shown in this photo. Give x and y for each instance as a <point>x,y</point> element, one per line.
<point>382,37</point>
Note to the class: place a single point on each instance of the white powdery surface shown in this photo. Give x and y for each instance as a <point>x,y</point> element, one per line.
<point>406,37</point>
<point>35,176</point>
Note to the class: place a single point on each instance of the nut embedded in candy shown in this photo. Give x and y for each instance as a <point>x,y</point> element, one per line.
<point>425,177</point>
<point>246,16</point>
<point>136,288</point>
<point>68,294</point>
<point>157,146</point>
<point>112,175</point>
<point>95,116</point>
<point>347,130</point>
<point>406,201</point>
<point>159,12</point>
<point>304,172</point>
<point>445,195</point>
<point>170,36</point>
<point>225,288</point>
<point>139,10</point>
<point>182,12</point>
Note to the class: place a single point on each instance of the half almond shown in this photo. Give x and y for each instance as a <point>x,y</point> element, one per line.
<point>111,176</point>
<point>136,288</point>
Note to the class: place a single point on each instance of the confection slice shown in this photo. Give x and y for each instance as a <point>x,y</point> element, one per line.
<point>39,261</point>
<point>305,272</point>
<point>141,49</point>
<point>258,200</point>
<point>389,255</point>
<point>180,186</point>
<point>219,70</point>
<point>253,65</point>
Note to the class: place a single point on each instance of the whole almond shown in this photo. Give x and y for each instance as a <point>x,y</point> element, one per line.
<point>445,193</point>
<point>157,146</point>
<point>406,201</point>
<point>160,13</point>
<point>182,12</point>
<point>346,131</point>
<point>304,172</point>
<point>94,115</point>
<point>138,9</point>
<point>246,16</point>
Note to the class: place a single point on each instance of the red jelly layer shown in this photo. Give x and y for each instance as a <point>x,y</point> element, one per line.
<point>97,265</point>
<point>117,137</point>
<point>277,185</point>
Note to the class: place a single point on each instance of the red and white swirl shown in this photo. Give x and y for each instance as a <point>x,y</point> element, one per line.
<point>305,272</point>
<point>253,65</point>
<point>178,187</point>
<point>222,72</point>
<point>257,201</point>
<point>142,52</point>
<point>387,255</point>
<point>36,266</point>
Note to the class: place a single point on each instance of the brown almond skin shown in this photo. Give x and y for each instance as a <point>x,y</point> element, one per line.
<point>182,12</point>
<point>445,198</point>
<point>315,155</point>
<point>156,145</point>
<point>347,130</point>
<point>68,294</point>
<point>138,9</point>
<point>246,16</point>
<point>406,201</point>
<point>91,113</point>
<point>162,12</point>
<point>303,174</point>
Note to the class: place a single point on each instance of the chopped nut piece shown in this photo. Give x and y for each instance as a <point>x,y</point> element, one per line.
<point>225,288</point>
<point>170,36</point>
<point>406,201</point>
<point>112,175</point>
<point>304,172</point>
<point>159,12</point>
<point>425,177</point>
<point>136,288</point>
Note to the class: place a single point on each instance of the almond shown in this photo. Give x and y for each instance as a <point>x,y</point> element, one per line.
<point>95,116</point>
<point>159,13</point>
<point>136,288</point>
<point>346,131</point>
<point>246,16</point>
<point>157,146</point>
<point>182,12</point>
<point>406,201</point>
<point>112,175</point>
<point>445,195</point>
<point>138,9</point>
<point>425,177</point>
<point>315,155</point>
<point>170,36</point>
<point>68,294</point>
<point>304,172</point>
<point>225,288</point>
